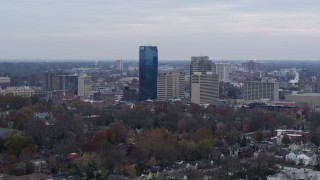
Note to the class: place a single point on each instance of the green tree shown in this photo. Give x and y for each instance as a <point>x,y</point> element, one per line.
<point>91,164</point>
<point>205,148</point>
<point>15,143</point>
<point>259,136</point>
<point>243,141</point>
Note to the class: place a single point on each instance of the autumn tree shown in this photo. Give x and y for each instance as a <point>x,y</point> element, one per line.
<point>202,134</point>
<point>156,143</point>
<point>22,116</point>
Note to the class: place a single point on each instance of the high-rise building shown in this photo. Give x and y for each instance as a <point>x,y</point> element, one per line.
<point>170,85</point>
<point>264,89</point>
<point>148,72</point>
<point>119,65</point>
<point>204,83</point>
<point>223,70</point>
<point>84,86</point>
<point>251,66</point>
<point>201,64</point>
<point>204,87</point>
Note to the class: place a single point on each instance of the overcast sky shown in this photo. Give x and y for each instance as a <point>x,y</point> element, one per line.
<point>114,29</point>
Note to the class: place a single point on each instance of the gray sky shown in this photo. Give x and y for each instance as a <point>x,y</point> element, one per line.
<point>113,29</point>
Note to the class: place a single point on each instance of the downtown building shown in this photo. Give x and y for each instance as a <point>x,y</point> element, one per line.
<point>204,81</point>
<point>251,66</point>
<point>148,72</point>
<point>24,91</point>
<point>119,65</point>
<point>4,82</point>
<point>264,89</point>
<point>60,81</point>
<point>223,70</point>
<point>84,86</point>
<point>170,85</point>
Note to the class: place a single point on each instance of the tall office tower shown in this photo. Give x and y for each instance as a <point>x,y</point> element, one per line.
<point>119,65</point>
<point>264,89</point>
<point>148,72</point>
<point>84,86</point>
<point>223,70</point>
<point>204,87</point>
<point>201,64</point>
<point>251,65</point>
<point>170,85</point>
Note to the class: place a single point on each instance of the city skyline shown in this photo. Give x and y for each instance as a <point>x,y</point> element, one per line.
<point>111,29</point>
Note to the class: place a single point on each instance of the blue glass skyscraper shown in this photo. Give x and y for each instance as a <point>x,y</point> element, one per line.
<point>148,72</point>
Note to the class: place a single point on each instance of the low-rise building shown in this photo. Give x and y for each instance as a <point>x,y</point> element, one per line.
<point>23,91</point>
<point>312,99</point>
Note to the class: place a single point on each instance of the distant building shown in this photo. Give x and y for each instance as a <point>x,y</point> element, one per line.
<point>107,98</point>
<point>44,94</point>
<point>23,91</point>
<point>84,86</point>
<point>58,95</point>
<point>130,94</point>
<point>52,81</point>
<point>4,82</point>
<point>201,64</point>
<point>264,89</point>
<point>170,85</point>
<point>60,81</point>
<point>312,99</point>
<point>223,70</point>
<point>119,65</point>
<point>148,72</point>
<point>251,66</point>
<point>204,88</point>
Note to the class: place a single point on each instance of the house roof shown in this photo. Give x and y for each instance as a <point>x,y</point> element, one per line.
<point>5,132</point>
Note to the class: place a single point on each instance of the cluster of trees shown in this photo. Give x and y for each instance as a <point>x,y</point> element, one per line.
<point>126,140</point>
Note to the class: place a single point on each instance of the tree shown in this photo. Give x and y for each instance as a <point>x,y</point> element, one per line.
<point>15,143</point>
<point>205,148</point>
<point>243,141</point>
<point>202,134</point>
<point>259,136</point>
<point>187,150</point>
<point>90,163</point>
<point>131,171</point>
<point>120,132</point>
<point>157,143</point>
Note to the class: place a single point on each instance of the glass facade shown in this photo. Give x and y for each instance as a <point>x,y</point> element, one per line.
<point>148,71</point>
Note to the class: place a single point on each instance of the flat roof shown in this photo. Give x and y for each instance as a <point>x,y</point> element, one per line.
<point>305,94</point>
